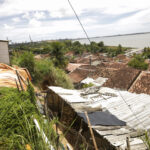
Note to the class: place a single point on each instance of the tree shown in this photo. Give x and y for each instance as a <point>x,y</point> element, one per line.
<point>58,54</point>
<point>94,47</point>
<point>101,44</point>
<point>77,43</point>
<point>68,43</point>
<point>119,49</point>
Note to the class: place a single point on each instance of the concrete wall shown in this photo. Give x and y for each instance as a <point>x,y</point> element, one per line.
<point>4,55</point>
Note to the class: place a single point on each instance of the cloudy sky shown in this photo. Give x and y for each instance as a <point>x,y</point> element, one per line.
<point>53,19</point>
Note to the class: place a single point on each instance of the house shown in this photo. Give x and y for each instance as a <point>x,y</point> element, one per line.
<point>122,78</point>
<point>118,118</point>
<point>142,83</point>
<point>4,54</point>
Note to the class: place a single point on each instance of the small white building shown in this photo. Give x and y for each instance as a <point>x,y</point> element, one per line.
<point>4,54</point>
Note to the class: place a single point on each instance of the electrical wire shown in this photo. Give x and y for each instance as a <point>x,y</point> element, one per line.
<point>79,21</point>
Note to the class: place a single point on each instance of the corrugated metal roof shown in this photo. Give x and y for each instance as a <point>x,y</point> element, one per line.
<point>132,108</point>
<point>72,96</point>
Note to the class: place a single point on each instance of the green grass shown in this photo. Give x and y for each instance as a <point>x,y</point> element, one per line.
<point>146,139</point>
<point>17,129</point>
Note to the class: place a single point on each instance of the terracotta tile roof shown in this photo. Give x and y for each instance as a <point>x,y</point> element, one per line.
<point>72,66</point>
<point>90,71</point>
<point>114,65</point>
<point>122,78</point>
<point>78,75</point>
<point>82,72</point>
<point>142,84</point>
<point>119,74</point>
<point>69,54</point>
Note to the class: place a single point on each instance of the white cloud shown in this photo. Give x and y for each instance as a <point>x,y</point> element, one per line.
<point>26,15</point>
<point>16,19</point>
<point>39,15</point>
<point>34,23</point>
<point>35,10</point>
<point>7,27</point>
<point>58,6</point>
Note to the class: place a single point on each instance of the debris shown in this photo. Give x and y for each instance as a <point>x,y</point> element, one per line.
<point>13,76</point>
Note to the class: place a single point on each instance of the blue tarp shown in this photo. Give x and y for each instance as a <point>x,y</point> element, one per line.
<point>102,118</point>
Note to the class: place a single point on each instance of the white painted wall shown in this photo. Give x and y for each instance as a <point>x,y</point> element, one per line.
<point>4,55</point>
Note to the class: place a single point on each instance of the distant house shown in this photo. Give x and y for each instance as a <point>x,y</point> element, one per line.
<point>4,54</point>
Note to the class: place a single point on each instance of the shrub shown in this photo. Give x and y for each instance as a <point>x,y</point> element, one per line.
<point>26,60</point>
<point>43,71</point>
<point>46,74</point>
<point>113,52</point>
<point>138,62</point>
<point>94,47</point>
<point>15,58</point>
<point>62,79</point>
<point>146,53</point>
<point>77,43</point>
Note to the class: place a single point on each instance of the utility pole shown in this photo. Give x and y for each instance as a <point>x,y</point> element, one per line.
<point>30,38</point>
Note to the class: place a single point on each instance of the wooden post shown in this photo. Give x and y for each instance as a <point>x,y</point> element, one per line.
<point>19,80</point>
<point>62,109</point>
<point>28,81</point>
<point>128,144</point>
<point>91,131</point>
<point>17,85</point>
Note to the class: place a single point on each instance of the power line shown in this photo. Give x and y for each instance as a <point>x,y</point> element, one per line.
<point>79,21</point>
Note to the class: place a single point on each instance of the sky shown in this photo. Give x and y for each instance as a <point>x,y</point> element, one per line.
<point>54,19</point>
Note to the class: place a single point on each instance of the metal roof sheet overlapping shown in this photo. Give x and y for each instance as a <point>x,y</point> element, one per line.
<point>134,109</point>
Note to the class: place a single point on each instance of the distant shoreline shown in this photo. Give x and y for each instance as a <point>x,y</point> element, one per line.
<point>84,38</point>
<point>112,35</point>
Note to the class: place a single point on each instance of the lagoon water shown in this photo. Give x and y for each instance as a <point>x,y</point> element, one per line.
<point>138,41</point>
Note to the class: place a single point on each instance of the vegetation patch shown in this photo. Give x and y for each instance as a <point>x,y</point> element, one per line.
<point>87,85</point>
<point>146,53</point>
<point>44,72</point>
<point>138,62</point>
<point>17,128</point>
<point>58,49</point>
